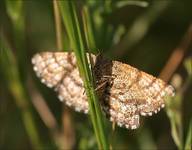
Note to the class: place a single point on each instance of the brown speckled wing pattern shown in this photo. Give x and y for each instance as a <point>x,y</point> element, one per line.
<point>59,71</point>
<point>127,93</point>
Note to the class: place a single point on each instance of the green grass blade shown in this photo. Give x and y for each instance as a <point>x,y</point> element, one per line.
<point>15,11</point>
<point>88,29</point>
<point>72,26</point>
<point>188,67</point>
<point>10,74</point>
<point>174,115</point>
<point>188,143</point>
<point>120,4</point>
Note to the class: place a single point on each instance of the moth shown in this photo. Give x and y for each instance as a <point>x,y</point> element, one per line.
<point>125,93</point>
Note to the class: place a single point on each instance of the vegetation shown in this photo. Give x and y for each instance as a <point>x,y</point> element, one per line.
<point>154,36</point>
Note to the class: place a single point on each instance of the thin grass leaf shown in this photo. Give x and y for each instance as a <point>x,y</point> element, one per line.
<point>188,66</point>
<point>69,15</point>
<point>14,9</point>
<point>96,20</point>
<point>88,28</point>
<point>188,143</point>
<point>9,71</point>
<point>118,34</point>
<point>15,12</point>
<point>174,115</point>
<point>120,4</point>
<point>174,109</point>
<point>175,132</point>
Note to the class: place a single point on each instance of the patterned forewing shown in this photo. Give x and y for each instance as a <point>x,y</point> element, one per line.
<point>59,70</point>
<point>132,93</point>
<point>112,94</point>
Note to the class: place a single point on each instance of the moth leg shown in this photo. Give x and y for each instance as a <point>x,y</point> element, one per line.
<point>101,85</point>
<point>109,76</point>
<point>104,80</point>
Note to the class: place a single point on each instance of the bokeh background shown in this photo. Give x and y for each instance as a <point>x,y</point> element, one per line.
<point>154,36</point>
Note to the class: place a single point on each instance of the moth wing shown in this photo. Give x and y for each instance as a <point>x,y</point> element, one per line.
<point>59,70</point>
<point>132,93</point>
<point>155,92</point>
<point>148,91</point>
<point>50,67</point>
<point>126,115</point>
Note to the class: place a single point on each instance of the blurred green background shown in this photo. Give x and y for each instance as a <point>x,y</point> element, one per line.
<point>154,36</point>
